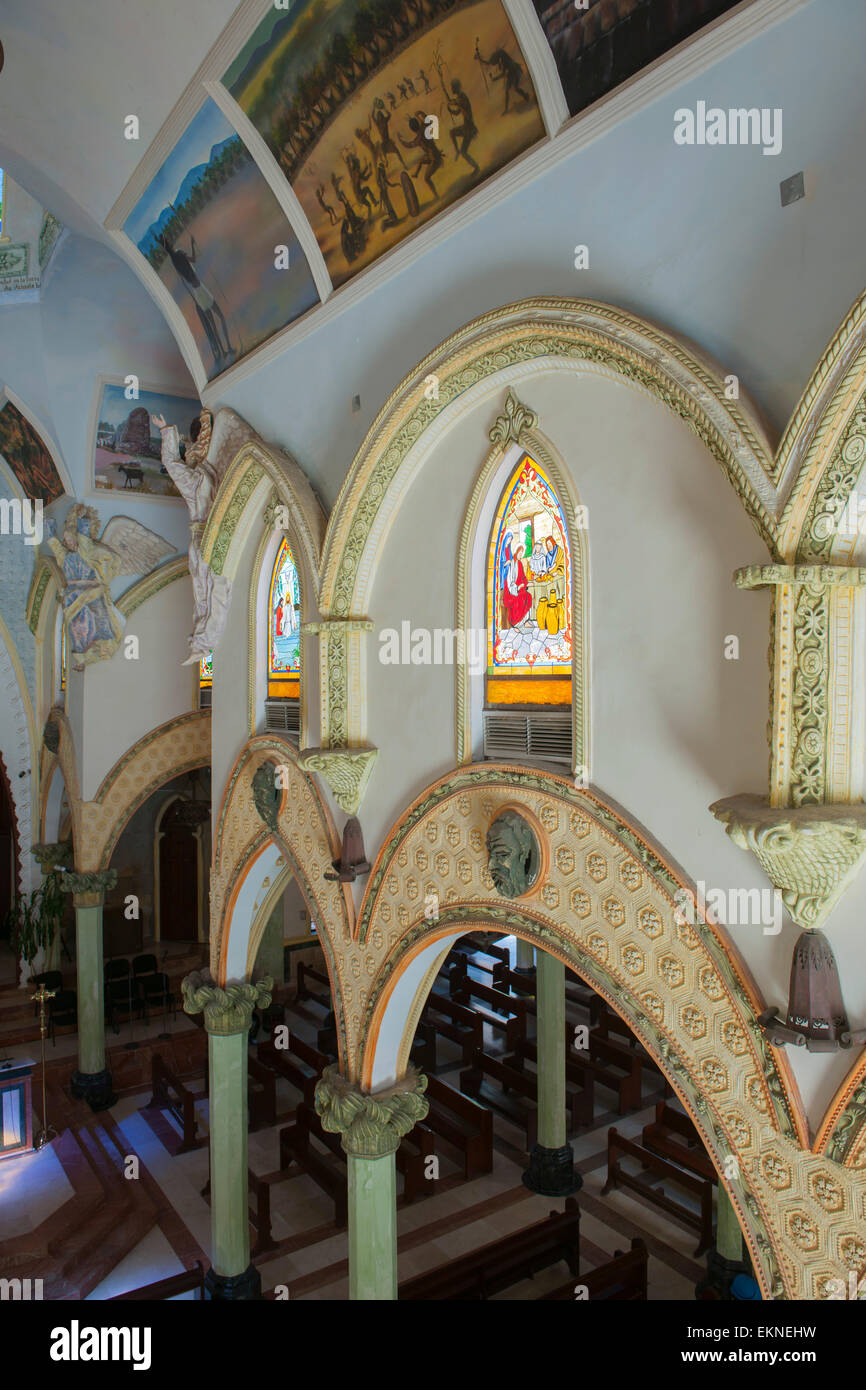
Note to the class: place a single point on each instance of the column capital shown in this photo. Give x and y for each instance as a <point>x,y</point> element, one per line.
<point>227,1010</point>
<point>371,1125</point>
<point>89,889</point>
<point>48,856</point>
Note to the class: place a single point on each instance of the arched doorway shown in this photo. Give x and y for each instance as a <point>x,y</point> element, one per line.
<point>178,866</point>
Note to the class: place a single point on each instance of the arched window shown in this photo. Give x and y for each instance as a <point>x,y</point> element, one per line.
<point>282,705</point>
<point>530,642</point>
<point>205,681</point>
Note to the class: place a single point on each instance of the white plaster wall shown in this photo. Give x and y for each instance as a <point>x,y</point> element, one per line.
<point>674,726</point>
<point>112,704</point>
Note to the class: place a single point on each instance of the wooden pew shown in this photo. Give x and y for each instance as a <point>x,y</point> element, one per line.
<point>324,1169</point>
<point>169,1093</point>
<point>517,1098</point>
<point>579,1094</point>
<point>423,1050</point>
<point>673,1135</point>
<point>623,1279</point>
<point>490,960</point>
<point>504,1262</point>
<point>611,1026</point>
<point>701,1188</point>
<point>622,1066</point>
<point>456,1022</point>
<point>514,1026</point>
<point>326,1038</point>
<point>299,1063</point>
<point>261,1094</point>
<point>576,992</point>
<point>463,1124</point>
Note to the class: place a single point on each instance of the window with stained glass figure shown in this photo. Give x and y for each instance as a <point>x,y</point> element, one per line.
<point>205,672</point>
<point>62,656</point>
<point>284,628</point>
<point>529,598</point>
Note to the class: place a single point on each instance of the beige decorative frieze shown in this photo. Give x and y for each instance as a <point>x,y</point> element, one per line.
<point>810,853</point>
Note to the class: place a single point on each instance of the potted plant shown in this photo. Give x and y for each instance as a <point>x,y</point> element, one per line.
<point>35,920</point>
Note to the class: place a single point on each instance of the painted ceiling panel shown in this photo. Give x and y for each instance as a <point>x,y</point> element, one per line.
<point>28,457</point>
<point>597,44</point>
<point>343,92</point>
<point>211,229</point>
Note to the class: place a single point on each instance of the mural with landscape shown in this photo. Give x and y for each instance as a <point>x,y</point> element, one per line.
<point>127,450</point>
<point>209,225</point>
<point>381,113</point>
<point>28,457</point>
<point>603,42</point>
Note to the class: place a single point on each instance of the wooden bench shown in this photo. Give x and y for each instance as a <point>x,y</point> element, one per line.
<point>298,1063</point>
<point>516,1099</point>
<point>579,1095</point>
<point>622,1065</point>
<point>700,1188</point>
<point>518,1256</point>
<point>610,1025</point>
<point>261,1094</point>
<point>307,973</point>
<point>513,1026</point>
<point>169,1093</point>
<point>461,1025</point>
<point>423,1050</point>
<point>463,1124</point>
<point>673,1135</point>
<point>512,980</point>
<point>622,1279</point>
<point>489,960</point>
<point>576,992</point>
<point>411,1156</point>
<point>326,1171</point>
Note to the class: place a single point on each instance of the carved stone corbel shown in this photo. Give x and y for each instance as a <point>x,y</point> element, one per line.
<point>229,1009</point>
<point>346,771</point>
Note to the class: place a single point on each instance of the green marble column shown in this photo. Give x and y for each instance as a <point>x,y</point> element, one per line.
<point>92,1080</point>
<point>227,1017</point>
<point>371,1127</point>
<point>551,1160</point>
<point>729,1236</point>
<point>525,957</point>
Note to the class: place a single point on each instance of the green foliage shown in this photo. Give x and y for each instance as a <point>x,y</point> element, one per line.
<point>35,918</point>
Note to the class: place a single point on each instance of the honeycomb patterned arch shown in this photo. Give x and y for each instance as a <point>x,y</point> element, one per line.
<point>299,835</point>
<point>178,746</point>
<point>606,907</point>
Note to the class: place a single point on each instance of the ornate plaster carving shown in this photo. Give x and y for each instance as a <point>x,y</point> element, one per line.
<point>607,907</point>
<point>49,856</point>
<point>810,853</point>
<point>229,1009</point>
<point>346,771</point>
<point>89,889</point>
<point>371,1125</point>
<point>513,423</point>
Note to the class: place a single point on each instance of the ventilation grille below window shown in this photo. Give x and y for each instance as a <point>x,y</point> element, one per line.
<point>284,717</point>
<point>542,734</point>
<point>205,697</point>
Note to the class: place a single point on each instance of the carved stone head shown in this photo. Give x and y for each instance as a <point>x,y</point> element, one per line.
<point>514,858</point>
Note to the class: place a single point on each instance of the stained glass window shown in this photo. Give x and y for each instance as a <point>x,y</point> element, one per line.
<point>62,656</point>
<point>284,627</point>
<point>529,599</point>
<point>205,671</point>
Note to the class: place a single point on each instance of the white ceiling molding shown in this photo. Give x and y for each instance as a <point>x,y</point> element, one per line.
<point>540,61</point>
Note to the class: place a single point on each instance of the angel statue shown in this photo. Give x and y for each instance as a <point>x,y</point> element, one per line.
<point>197,479</point>
<point>94,625</point>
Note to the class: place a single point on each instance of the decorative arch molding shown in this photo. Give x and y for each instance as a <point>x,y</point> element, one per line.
<point>58,747</point>
<point>178,746</point>
<point>256,473</point>
<point>260,837</point>
<point>509,345</point>
<point>606,906</point>
<point>842,1135</point>
<point>18,745</point>
<point>518,426</point>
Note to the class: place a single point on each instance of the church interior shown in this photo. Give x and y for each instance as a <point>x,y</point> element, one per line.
<point>432,787</point>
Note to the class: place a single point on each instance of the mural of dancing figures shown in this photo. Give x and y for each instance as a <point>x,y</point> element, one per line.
<point>383,112</point>
<point>210,226</point>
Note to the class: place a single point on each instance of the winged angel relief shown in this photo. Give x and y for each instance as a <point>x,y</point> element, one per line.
<point>88,564</point>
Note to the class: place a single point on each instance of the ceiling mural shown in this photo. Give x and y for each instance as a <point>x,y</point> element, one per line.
<point>383,114</point>
<point>209,226</point>
<point>604,42</point>
<point>28,457</point>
